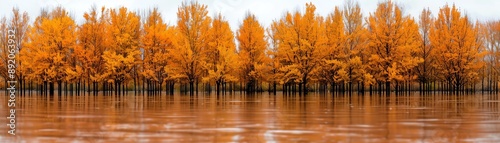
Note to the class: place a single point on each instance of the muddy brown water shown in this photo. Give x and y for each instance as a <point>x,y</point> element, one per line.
<point>254,118</point>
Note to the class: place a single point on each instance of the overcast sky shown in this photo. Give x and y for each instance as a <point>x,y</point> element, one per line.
<point>265,10</point>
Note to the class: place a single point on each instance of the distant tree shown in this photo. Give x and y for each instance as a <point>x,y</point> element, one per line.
<point>19,24</point>
<point>272,52</point>
<point>425,51</point>
<point>491,32</point>
<point>4,49</point>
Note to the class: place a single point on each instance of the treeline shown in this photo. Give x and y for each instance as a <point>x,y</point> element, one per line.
<point>119,50</point>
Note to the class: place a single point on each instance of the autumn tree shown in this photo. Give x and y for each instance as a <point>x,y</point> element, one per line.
<point>221,59</point>
<point>25,54</point>
<point>157,42</point>
<point>393,38</point>
<point>272,52</point>
<point>52,40</point>
<point>4,49</point>
<point>17,27</point>
<point>93,41</point>
<point>482,41</point>
<point>252,56</point>
<point>301,44</point>
<point>19,23</point>
<point>355,40</point>
<point>123,52</point>
<point>192,25</point>
<point>424,69</point>
<point>333,66</point>
<point>457,50</point>
<point>491,32</point>
<point>346,38</point>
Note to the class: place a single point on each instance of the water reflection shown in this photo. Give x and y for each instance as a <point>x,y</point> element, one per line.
<point>255,118</point>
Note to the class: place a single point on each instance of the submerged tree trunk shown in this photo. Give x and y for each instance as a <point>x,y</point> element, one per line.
<point>274,88</point>
<point>51,88</point>
<point>218,82</point>
<point>191,87</point>
<point>124,88</point>
<point>59,87</point>
<point>387,87</point>
<point>116,88</point>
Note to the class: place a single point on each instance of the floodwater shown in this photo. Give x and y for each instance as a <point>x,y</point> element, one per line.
<point>254,118</point>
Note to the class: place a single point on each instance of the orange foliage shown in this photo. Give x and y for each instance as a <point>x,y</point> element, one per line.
<point>457,49</point>
<point>301,45</point>
<point>157,41</point>
<point>221,59</point>
<point>93,38</point>
<point>187,61</point>
<point>252,56</point>
<point>393,40</point>
<point>120,59</point>
<point>52,40</point>
<point>424,69</point>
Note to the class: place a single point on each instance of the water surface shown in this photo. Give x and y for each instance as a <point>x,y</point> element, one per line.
<point>254,118</point>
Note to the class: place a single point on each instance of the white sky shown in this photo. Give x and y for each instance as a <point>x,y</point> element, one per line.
<point>265,10</point>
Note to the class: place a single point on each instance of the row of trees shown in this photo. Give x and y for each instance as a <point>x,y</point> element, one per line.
<point>116,49</point>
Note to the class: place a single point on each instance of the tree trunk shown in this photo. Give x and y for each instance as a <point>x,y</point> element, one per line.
<point>300,88</point>
<point>124,88</point>
<point>350,87</point>
<point>387,87</point>
<point>217,87</point>
<point>135,85</point>
<point>51,88</point>
<point>196,87</point>
<point>116,88</point>
<point>59,87</point>
<point>274,88</point>
<point>191,87</point>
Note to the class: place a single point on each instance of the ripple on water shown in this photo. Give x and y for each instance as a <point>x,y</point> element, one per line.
<point>290,132</point>
<point>233,130</point>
